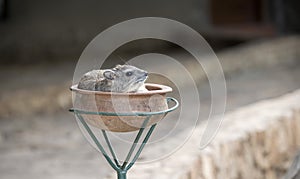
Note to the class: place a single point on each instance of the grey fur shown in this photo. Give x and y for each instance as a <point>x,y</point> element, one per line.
<point>122,79</point>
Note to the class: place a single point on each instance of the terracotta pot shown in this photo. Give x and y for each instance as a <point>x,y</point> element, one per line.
<point>153,100</point>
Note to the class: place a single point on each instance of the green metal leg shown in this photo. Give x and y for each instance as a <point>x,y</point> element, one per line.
<point>120,169</point>
<point>122,174</point>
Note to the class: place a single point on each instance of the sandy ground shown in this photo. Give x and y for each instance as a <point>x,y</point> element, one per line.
<point>50,145</point>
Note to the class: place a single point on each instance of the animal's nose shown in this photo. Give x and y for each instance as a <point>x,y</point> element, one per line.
<point>146,74</point>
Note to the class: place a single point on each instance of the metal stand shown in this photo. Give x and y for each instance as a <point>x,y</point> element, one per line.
<point>122,169</point>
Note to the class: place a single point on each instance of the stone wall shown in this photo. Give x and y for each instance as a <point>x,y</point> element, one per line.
<point>256,141</point>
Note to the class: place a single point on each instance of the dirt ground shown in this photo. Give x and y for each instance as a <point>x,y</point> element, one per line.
<point>50,145</point>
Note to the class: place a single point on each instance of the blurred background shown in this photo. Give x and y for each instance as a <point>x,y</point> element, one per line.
<point>256,41</point>
<point>35,31</point>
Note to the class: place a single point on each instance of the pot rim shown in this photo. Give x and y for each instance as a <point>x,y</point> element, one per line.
<point>162,89</point>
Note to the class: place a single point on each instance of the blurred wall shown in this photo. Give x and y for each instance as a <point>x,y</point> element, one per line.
<point>37,30</point>
<point>40,30</point>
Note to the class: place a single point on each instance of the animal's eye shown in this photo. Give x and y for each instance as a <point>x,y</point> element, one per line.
<point>129,73</point>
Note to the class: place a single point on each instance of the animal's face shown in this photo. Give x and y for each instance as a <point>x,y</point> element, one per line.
<point>126,78</point>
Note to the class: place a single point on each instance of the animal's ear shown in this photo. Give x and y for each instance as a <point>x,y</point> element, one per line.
<point>109,74</point>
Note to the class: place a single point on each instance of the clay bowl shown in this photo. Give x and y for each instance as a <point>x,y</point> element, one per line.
<point>153,100</point>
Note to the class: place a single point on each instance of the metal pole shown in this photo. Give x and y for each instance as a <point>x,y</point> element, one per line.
<point>122,169</point>
<point>122,174</point>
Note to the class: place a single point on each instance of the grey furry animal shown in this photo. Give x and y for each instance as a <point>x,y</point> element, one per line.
<point>121,79</point>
